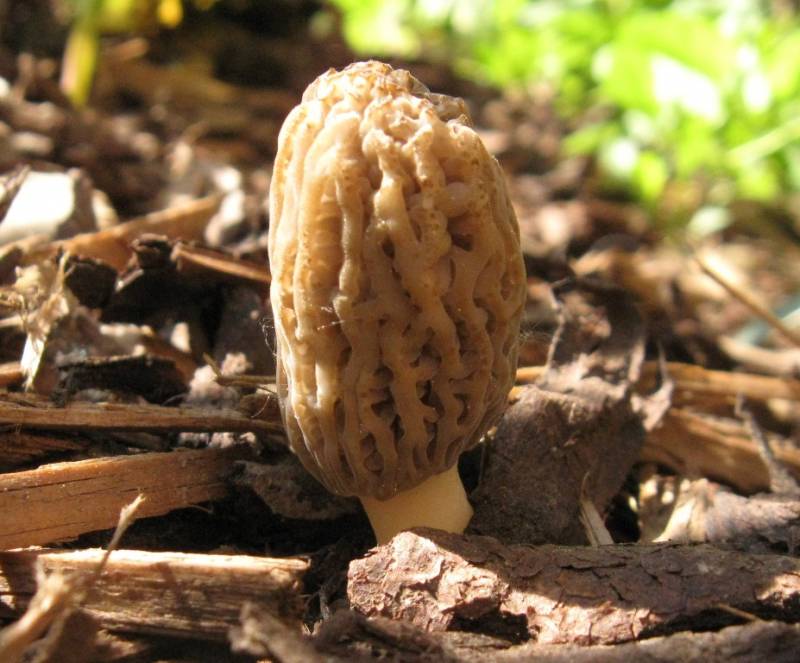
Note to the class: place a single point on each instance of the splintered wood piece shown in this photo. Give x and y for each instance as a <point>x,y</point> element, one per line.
<point>112,246</point>
<point>567,595</point>
<point>30,411</point>
<point>10,373</point>
<point>165,593</point>
<point>720,449</point>
<point>193,259</point>
<point>693,381</point>
<point>63,500</point>
<point>18,447</point>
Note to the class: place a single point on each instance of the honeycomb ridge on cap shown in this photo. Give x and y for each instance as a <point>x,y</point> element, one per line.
<point>397,281</point>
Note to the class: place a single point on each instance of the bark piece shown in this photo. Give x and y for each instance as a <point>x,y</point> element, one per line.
<point>262,634</point>
<point>243,328</point>
<point>90,280</point>
<point>757,642</point>
<point>290,491</point>
<point>560,595</point>
<point>577,428</point>
<point>352,637</point>
<point>31,412</point>
<point>65,500</point>
<point>167,593</point>
<point>151,289</point>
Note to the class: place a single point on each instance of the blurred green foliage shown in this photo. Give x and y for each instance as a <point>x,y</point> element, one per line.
<point>667,93</point>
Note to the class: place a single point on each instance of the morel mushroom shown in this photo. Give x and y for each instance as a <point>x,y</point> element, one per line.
<point>397,291</point>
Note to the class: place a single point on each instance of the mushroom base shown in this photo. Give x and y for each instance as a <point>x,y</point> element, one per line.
<point>439,502</point>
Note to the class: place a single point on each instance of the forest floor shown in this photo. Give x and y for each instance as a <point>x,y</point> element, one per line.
<point>656,404</point>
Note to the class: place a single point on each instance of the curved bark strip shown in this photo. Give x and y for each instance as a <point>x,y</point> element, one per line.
<point>569,595</point>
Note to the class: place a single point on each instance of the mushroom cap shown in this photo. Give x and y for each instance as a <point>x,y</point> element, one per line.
<point>397,281</point>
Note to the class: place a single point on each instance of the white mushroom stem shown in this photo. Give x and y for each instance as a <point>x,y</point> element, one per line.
<point>439,502</point>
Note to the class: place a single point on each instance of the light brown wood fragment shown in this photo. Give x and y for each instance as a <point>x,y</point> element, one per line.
<point>567,595</point>
<point>30,411</point>
<point>64,500</point>
<point>187,221</point>
<point>721,449</point>
<point>166,593</point>
<point>192,259</point>
<point>18,447</point>
<point>10,373</point>
<point>692,381</point>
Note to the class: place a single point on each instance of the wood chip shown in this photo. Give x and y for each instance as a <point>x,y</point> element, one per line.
<point>196,260</point>
<point>10,373</point>
<point>28,411</point>
<point>112,246</point>
<point>64,500</point>
<point>694,445</point>
<point>165,593</point>
<point>18,447</point>
<point>693,382</point>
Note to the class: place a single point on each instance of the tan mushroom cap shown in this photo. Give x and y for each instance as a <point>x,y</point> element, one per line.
<point>397,281</point>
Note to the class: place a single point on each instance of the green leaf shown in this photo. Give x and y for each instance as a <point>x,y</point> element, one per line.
<point>759,182</point>
<point>650,175</point>
<point>376,27</point>
<point>783,67</point>
<point>590,138</point>
<point>626,77</point>
<point>691,39</point>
